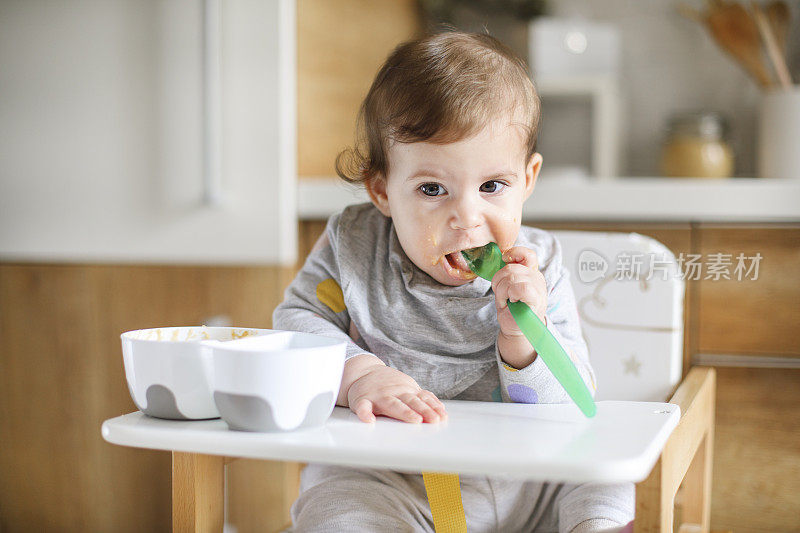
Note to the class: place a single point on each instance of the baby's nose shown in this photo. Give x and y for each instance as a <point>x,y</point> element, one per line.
<point>465,216</point>
<point>464,223</point>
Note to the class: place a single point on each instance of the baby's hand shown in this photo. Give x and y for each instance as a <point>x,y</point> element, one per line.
<point>387,391</point>
<point>519,281</point>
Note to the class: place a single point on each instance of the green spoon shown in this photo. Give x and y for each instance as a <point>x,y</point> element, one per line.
<point>485,261</point>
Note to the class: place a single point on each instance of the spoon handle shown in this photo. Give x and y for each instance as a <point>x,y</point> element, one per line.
<point>486,261</point>
<point>554,356</point>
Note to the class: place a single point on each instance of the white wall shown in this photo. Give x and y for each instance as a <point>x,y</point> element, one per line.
<point>669,65</point>
<point>101,133</point>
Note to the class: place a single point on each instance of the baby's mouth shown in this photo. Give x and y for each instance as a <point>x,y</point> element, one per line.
<point>458,265</point>
<point>457,261</point>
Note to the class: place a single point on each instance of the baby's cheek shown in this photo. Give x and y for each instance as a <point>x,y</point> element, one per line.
<point>416,243</point>
<point>427,247</point>
<point>430,238</point>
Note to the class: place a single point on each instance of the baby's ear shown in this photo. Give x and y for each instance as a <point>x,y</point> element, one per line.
<point>376,188</point>
<point>532,172</point>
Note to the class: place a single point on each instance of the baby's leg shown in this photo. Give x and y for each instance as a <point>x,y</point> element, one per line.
<point>595,507</point>
<point>334,498</point>
<point>602,526</point>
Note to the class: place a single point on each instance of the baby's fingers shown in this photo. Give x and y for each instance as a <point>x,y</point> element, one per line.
<point>363,409</point>
<point>522,255</point>
<point>501,288</point>
<point>419,405</point>
<point>396,408</point>
<point>434,402</point>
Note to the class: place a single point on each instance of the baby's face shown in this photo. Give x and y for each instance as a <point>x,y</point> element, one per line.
<point>444,198</point>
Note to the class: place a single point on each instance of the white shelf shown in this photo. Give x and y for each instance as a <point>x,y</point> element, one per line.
<point>618,199</point>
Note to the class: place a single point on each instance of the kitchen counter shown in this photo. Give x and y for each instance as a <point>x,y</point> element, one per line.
<point>620,199</point>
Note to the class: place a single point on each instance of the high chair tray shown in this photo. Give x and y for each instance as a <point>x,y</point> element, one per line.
<point>547,442</point>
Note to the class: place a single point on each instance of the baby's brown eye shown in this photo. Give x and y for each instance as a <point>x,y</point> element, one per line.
<point>493,186</point>
<point>430,189</point>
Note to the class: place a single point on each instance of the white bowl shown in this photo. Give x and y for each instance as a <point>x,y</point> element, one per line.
<point>278,382</point>
<point>170,372</point>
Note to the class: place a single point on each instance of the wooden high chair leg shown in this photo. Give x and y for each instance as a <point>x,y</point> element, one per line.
<point>654,508</point>
<point>685,461</point>
<point>198,492</point>
<point>696,508</point>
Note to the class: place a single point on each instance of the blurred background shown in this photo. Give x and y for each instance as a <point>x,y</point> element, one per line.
<point>171,163</point>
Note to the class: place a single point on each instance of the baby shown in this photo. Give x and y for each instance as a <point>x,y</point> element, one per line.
<point>447,156</point>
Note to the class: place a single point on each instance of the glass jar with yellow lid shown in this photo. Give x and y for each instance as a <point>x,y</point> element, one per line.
<point>696,147</point>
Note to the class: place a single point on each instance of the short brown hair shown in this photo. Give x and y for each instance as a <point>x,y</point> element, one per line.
<point>442,88</point>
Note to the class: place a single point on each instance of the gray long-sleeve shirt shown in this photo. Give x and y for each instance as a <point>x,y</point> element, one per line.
<point>358,284</point>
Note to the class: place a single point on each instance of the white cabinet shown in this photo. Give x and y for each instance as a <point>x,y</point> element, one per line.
<point>102,139</point>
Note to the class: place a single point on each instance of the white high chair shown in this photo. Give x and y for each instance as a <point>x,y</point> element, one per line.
<point>634,331</point>
<point>633,325</point>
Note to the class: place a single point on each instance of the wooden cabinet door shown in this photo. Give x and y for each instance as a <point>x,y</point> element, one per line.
<point>759,314</point>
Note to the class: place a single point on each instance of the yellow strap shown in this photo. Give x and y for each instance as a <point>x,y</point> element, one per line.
<point>444,497</point>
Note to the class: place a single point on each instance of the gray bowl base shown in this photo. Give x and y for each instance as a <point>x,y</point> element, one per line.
<point>161,404</point>
<point>252,413</point>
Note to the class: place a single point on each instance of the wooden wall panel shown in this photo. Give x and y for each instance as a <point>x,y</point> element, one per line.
<point>752,317</point>
<point>61,375</point>
<point>308,232</point>
<point>340,46</point>
<point>756,480</point>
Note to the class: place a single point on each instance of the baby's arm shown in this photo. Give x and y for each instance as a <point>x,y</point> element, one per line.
<point>314,303</point>
<point>535,383</point>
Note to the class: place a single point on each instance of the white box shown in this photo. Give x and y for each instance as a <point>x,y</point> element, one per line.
<point>565,46</point>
